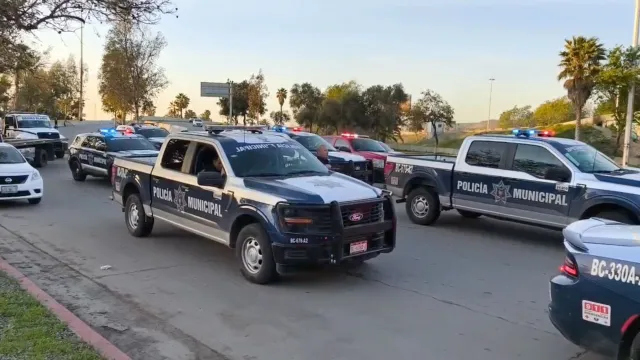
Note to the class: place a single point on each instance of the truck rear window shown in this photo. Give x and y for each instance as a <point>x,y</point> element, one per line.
<point>486,153</point>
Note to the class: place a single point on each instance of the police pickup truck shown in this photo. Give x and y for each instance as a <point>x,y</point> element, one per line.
<point>260,193</point>
<point>341,161</point>
<point>529,177</point>
<point>34,136</point>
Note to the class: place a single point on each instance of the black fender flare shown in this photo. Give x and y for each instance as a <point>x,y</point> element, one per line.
<point>240,219</point>
<point>609,200</point>
<point>424,178</point>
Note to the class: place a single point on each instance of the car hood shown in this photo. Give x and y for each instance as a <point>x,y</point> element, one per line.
<point>630,177</point>
<point>22,169</point>
<point>35,131</point>
<point>135,153</point>
<point>345,156</point>
<point>317,189</point>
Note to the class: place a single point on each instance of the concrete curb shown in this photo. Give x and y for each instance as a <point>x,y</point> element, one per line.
<point>79,327</point>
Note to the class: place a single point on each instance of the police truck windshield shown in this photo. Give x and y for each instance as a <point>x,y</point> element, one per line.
<point>9,155</point>
<point>152,132</point>
<point>272,159</point>
<point>312,142</point>
<point>367,145</point>
<point>33,123</point>
<point>589,160</point>
<point>128,144</point>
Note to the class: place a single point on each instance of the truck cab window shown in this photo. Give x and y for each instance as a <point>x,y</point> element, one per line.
<point>9,121</point>
<point>204,159</point>
<point>486,154</point>
<point>534,160</point>
<point>174,154</point>
<point>89,142</point>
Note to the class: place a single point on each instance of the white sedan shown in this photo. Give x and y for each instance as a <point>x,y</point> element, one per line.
<point>18,179</point>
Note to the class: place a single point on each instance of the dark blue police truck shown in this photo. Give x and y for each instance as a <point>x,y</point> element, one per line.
<point>261,193</point>
<point>528,177</point>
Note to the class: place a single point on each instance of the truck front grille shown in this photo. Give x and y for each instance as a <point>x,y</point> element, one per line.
<point>362,213</point>
<point>48,135</point>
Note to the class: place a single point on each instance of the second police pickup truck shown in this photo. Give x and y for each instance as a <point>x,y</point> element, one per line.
<point>530,177</point>
<point>262,194</point>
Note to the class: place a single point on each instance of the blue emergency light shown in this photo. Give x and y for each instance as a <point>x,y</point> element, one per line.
<point>532,132</point>
<point>109,132</point>
<point>279,128</point>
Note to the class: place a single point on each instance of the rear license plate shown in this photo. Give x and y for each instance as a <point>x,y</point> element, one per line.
<point>357,247</point>
<point>9,189</point>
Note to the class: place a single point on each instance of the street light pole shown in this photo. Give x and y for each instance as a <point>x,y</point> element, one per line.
<point>490,93</point>
<point>82,70</point>
<point>632,90</point>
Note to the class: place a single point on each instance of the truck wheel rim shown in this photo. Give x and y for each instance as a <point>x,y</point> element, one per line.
<point>252,255</point>
<point>419,206</point>
<point>134,216</point>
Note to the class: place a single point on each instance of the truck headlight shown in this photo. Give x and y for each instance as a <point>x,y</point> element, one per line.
<point>35,176</point>
<point>378,163</point>
<point>295,219</point>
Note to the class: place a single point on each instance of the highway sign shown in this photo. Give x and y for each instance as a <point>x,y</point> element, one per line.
<point>211,89</point>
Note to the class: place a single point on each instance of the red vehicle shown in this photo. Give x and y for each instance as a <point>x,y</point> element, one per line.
<point>364,146</point>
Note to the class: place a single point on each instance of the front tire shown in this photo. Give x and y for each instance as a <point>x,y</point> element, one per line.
<point>254,254</point>
<point>35,201</point>
<point>138,223</point>
<point>59,154</point>
<point>76,171</point>
<point>423,206</point>
<point>41,159</point>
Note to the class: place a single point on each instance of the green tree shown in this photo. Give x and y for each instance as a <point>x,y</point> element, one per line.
<point>552,112</point>
<point>5,87</point>
<point>580,67</point>
<point>621,69</point>
<point>174,110</point>
<point>181,102</point>
<point>516,117</point>
<point>190,114</point>
<point>306,102</point>
<point>257,95</point>
<point>206,115</point>
<point>281,95</point>
<point>280,117</point>
<point>240,102</point>
<point>383,115</point>
<point>348,96</point>
<point>430,110</point>
<point>148,108</point>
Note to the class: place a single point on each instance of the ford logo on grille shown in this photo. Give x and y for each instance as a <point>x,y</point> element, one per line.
<point>356,216</point>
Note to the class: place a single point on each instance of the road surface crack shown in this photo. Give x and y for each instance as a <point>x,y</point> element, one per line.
<point>447,302</point>
<point>140,271</point>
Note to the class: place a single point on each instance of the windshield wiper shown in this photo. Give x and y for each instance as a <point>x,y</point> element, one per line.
<point>264,175</point>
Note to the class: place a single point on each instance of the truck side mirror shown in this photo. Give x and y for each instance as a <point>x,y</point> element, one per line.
<point>344,148</point>
<point>557,174</point>
<point>211,178</point>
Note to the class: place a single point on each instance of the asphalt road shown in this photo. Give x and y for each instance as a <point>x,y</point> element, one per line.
<point>460,289</point>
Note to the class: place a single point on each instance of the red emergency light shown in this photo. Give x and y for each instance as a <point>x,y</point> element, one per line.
<point>297,129</point>
<point>546,133</point>
<point>349,135</point>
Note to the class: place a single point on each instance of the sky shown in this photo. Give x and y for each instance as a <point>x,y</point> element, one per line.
<point>450,46</point>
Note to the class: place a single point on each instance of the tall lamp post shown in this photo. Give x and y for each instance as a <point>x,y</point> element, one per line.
<point>490,93</point>
<point>627,129</point>
<point>80,103</point>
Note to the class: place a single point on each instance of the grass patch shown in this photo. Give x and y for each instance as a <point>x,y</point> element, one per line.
<point>28,331</point>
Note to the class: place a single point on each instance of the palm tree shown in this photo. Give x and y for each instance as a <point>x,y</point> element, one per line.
<point>281,94</point>
<point>580,63</point>
<point>182,102</point>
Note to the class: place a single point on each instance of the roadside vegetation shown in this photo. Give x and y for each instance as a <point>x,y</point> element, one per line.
<point>28,331</point>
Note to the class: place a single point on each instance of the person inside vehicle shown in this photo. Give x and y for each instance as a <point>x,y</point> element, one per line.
<point>217,165</point>
<point>323,154</point>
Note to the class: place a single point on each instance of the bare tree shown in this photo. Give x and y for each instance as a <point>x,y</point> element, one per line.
<point>65,15</point>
